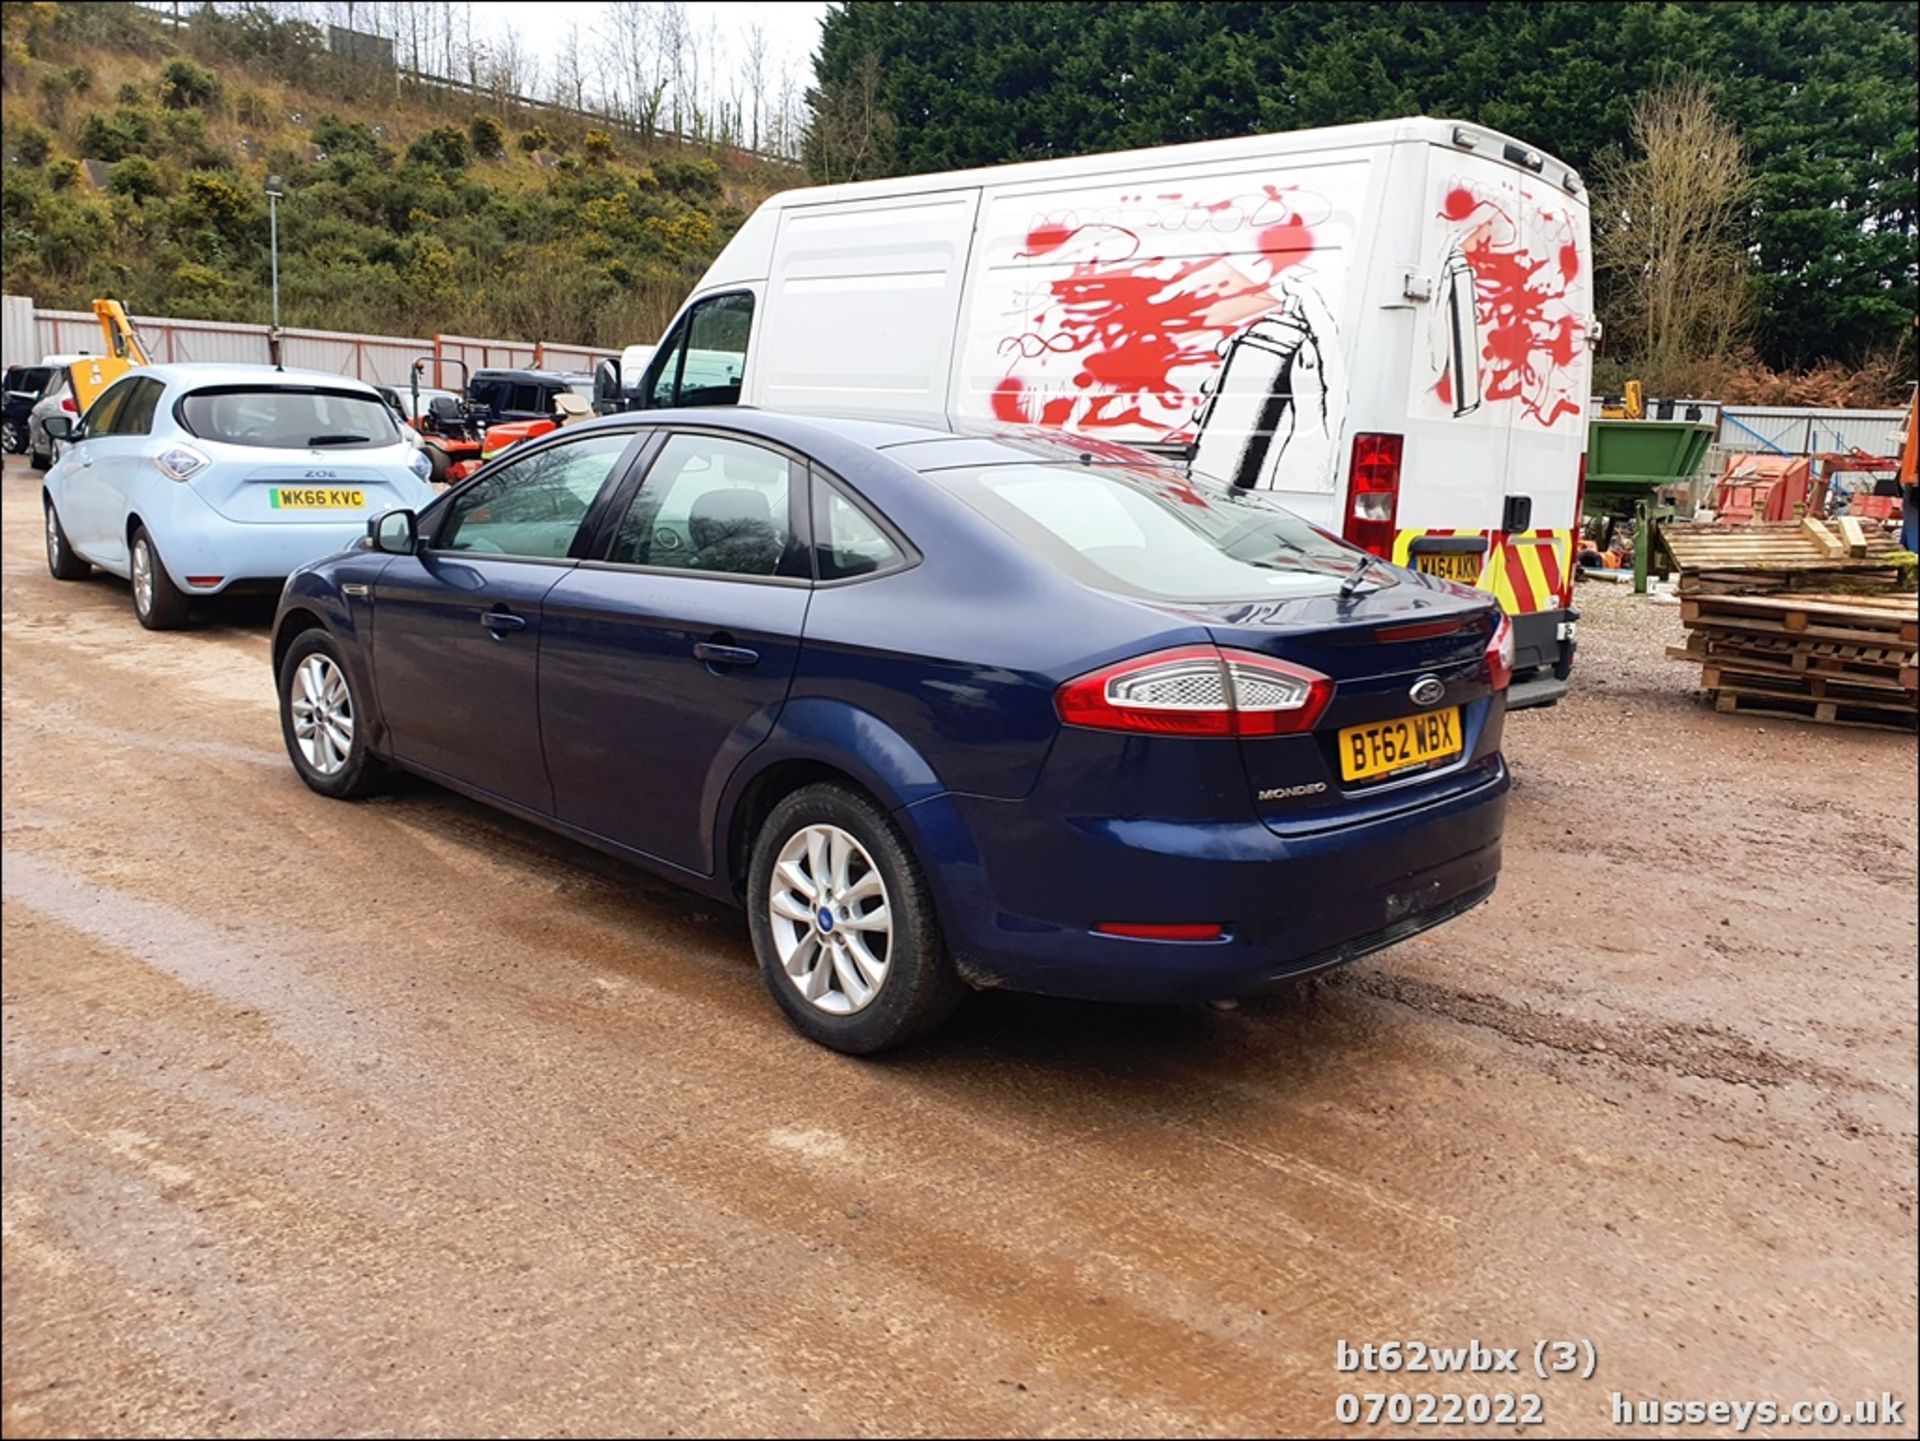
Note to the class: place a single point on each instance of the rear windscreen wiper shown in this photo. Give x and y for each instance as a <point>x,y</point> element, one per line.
<point>1357,574</point>
<point>335,439</point>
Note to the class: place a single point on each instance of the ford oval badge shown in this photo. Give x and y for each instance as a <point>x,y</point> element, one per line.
<point>1427,690</point>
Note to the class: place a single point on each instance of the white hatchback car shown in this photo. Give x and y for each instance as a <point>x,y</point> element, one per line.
<point>191,480</point>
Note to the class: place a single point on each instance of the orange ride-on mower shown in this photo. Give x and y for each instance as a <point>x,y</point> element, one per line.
<point>452,433</point>
<point>567,408</point>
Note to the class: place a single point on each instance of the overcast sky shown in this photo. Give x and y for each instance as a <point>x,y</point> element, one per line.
<point>793,26</point>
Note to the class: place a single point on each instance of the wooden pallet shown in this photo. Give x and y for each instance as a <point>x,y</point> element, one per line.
<point>1780,556</point>
<point>1749,655</point>
<point>1805,685</point>
<point>1855,619</point>
<point>1777,546</point>
<point>1824,712</point>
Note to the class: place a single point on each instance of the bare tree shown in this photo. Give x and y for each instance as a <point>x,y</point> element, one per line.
<point>1669,222</point>
<point>569,73</point>
<point>640,65</point>
<point>755,73</point>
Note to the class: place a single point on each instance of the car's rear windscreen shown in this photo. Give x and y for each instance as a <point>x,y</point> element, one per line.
<point>288,417</point>
<point>30,380</point>
<point>1153,533</point>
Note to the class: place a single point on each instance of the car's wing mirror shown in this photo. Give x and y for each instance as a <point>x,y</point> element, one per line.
<point>395,532</point>
<point>59,427</point>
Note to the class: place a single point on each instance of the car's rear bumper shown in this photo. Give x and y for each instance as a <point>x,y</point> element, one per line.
<point>198,543</point>
<point>1288,904</point>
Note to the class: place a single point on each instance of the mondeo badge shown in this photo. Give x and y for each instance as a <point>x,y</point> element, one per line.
<point>1427,690</point>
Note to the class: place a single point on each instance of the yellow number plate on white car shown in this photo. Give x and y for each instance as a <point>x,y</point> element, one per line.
<point>309,497</point>
<point>1387,746</point>
<point>1463,567</point>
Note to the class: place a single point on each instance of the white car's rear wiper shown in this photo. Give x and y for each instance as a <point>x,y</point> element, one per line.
<point>335,439</point>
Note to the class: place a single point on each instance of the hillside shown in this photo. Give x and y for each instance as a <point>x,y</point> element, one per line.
<point>136,157</point>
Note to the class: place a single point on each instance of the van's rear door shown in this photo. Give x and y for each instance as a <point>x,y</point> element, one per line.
<point>1497,415</point>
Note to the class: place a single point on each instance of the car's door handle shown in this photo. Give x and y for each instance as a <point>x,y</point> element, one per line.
<point>502,621</point>
<point>725,654</point>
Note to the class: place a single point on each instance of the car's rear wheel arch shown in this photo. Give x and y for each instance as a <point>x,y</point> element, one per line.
<point>758,799</point>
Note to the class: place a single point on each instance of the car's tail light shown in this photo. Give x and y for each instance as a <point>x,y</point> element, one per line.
<point>1500,654</point>
<point>1373,492</point>
<point>1197,691</point>
<point>181,462</point>
<point>66,404</point>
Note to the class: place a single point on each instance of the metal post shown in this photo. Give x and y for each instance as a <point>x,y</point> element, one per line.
<point>273,244</point>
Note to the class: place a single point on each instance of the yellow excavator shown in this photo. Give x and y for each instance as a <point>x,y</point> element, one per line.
<point>94,373</point>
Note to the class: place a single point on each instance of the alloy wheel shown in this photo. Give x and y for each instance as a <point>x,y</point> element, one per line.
<point>322,708</point>
<point>142,575</point>
<point>53,539</point>
<point>832,926</point>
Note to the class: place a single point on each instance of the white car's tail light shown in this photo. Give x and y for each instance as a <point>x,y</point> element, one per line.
<point>1500,654</point>
<point>1197,691</point>
<point>181,462</point>
<point>419,464</point>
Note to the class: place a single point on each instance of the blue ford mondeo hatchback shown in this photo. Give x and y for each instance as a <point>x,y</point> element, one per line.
<point>941,709</point>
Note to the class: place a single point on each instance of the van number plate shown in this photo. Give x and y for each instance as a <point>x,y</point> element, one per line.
<point>1462,566</point>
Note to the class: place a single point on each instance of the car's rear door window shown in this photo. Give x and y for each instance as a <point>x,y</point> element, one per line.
<point>717,505</point>
<point>533,507</point>
<point>289,417</point>
<point>847,542</point>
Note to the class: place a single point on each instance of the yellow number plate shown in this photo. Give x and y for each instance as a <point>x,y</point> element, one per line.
<point>1464,568</point>
<point>1396,745</point>
<point>311,497</point>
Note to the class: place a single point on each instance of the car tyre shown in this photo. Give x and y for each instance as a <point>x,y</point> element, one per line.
<point>13,437</point>
<point>917,987</point>
<point>41,461</point>
<point>158,603</point>
<point>61,560</point>
<point>316,694</point>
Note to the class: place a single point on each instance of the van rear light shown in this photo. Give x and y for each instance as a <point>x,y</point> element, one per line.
<point>1197,690</point>
<point>1500,654</point>
<point>1373,492</point>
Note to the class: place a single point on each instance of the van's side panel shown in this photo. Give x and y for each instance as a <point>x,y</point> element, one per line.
<point>864,298</point>
<point>1102,306</point>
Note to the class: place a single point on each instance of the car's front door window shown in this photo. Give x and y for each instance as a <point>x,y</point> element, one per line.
<point>533,507</point>
<point>104,412</point>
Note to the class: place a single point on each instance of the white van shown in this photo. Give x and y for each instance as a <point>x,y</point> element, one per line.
<point>1387,325</point>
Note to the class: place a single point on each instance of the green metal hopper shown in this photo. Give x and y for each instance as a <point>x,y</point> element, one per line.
<point>1627,460</point>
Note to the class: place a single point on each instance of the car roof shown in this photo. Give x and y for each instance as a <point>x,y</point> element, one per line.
<point>924,444</point>
<point>199,374</point>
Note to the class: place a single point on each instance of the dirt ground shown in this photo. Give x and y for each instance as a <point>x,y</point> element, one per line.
<point>405,1117</point>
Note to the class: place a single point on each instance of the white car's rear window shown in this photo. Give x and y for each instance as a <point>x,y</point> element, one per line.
<point>289,417</point>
